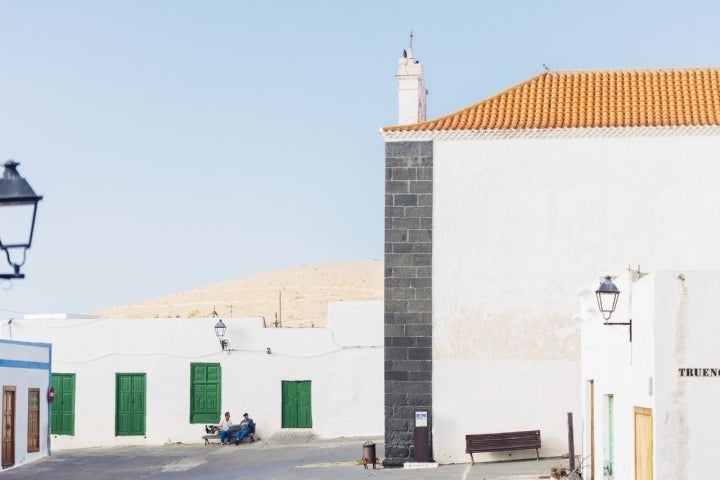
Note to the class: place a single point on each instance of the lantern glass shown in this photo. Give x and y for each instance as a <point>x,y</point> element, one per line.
<point>607,296</point>
<point>16,225</point>
<point>18,206</point>
<point>607,302</point>
<point>220,329</point>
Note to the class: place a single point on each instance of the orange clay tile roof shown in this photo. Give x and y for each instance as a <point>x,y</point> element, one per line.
<point>621,98</point>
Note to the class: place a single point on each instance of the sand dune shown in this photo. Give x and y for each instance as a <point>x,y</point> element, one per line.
<point>298,296</point>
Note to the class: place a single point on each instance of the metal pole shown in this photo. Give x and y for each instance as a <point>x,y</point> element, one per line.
<point>571,442</point>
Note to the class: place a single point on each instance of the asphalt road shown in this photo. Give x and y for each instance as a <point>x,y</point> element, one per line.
<point>316,460</point>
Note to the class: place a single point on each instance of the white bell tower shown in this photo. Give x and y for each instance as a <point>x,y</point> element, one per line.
<point>412,96</point>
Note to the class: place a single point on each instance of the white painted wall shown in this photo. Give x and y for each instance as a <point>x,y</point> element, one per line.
<point>347,397</point>
<point>517,225</point>
<point>674,326</point>
<point>25,365</point>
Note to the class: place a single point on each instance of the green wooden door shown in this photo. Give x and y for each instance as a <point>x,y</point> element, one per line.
<point>62,411</point>
<point>296,404</point>
<point>610,427</point>
<point>130,404</point>
<point>304,405</point>
<point>289,404</point>
<point>205,392</point>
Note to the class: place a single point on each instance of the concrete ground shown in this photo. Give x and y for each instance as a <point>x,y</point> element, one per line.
<point>286,457</point>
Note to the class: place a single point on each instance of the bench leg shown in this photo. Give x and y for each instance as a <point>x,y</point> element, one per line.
<point>472,460</point>
<point>537,452</point>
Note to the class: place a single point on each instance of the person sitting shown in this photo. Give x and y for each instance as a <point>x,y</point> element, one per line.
<point>246,428</point>
<point>225,429</point>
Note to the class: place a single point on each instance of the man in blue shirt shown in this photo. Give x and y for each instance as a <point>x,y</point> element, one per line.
<point>246,428</point>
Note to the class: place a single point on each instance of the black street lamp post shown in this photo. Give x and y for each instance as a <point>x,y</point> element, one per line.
<point>17,194</point>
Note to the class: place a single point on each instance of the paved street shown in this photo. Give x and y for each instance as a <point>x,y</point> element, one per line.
<point>263,460</point>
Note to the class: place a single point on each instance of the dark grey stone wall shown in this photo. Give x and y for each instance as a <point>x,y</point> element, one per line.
<point>408,293</point>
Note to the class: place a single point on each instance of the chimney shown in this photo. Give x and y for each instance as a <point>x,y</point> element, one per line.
<point>412,96</point>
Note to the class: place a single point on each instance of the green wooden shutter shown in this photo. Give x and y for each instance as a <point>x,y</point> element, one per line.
<point>130,404</point>
<point>205,392</point>
<point>304,405</point>
<point>62,410</point>
<point>289,405</point>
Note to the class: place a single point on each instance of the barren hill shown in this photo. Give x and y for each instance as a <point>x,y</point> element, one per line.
<point>299,295</point>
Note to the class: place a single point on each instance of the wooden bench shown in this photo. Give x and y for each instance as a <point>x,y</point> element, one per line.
<point>499,442</point>
<point>233,429</point>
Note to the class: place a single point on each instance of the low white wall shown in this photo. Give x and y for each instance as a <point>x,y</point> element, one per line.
<point>344,364</point>
<point>483,396</point>
<point>25,365</point>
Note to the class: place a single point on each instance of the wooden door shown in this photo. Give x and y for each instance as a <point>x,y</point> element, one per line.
<point>205,392</point>
<point>304,405</point>
<point>8,427</point>
<point>610,437</point>
<point>62,410</point>
<point>296,404</point>
<point>33,433</point>
<point>289,405</point>
<point>130,404</point>
<point>591,418</point>
<point>643,444</point>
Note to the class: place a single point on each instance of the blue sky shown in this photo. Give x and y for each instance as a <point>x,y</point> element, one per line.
<point>183,143</point>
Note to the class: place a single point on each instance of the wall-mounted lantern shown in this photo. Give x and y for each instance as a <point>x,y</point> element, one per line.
<point>607,296</point>
<point>220,330</point>
<point>17,223</point>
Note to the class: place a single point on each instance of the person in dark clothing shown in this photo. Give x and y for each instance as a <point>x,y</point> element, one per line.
<point>246,428</point>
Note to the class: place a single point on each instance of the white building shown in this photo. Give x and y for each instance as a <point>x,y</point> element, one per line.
<point>25,380</point>
<point>496,213</point>
<point>650,405</point>
<point>156,381</point>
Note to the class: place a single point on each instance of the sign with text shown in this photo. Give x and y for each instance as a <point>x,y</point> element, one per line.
<point>421,419</point>
<point>699,372</point>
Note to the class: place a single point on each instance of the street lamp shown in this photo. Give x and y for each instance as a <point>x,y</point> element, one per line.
<point>607,296</point>
<point>220,329</point>
<point>17,223</point>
